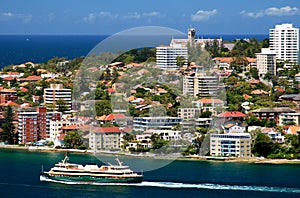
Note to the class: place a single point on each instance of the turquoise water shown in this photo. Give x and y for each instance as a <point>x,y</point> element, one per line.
<point>19,177</point>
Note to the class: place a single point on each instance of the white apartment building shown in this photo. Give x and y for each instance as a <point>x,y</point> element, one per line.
<point>284,41</point>
<point>230,144</point>
<point>55,127</point>
<point>105,138</point>
<point>160,123</point>
<point>166,56</point>
<point>266,62</point>
<point>198,84</point>
<point>289,117</point>
<point>167,134</point>
<point>55,93</point>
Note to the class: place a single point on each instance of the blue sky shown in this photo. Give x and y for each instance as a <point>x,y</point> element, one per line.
<point>216,17</point>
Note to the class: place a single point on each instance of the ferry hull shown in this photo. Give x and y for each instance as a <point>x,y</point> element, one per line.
<point>98,179</point>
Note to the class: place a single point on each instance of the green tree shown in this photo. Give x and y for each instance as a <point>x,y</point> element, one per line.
<point>262,145</point>
<point>61,105</point>
<point>103,107</point>
<point>205,114</point>
<point>254,73</point>
<point>73,140</point>
<point>180,61</point>
<point>8,134</point>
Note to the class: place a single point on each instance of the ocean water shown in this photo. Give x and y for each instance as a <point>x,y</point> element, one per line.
<point>17,49</point>
<point>19,177</point>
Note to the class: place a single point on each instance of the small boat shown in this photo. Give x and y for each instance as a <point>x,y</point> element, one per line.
<point>90,173</point>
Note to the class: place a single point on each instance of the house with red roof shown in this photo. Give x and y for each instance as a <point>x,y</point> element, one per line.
<point>30,79</point>
<point>116,118</point>
<point>66,129</point>
<point>293,130</point>
<point>232,115</point>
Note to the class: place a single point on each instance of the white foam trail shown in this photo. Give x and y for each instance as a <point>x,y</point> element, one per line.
<point>186,185</point>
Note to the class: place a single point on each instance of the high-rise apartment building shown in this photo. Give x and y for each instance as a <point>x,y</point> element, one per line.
<point>166,56</point>
<point>284,41</point>
<point>57,92</point>
<point>266,62</point>
<point>31,125</point>
<point>202,85</point>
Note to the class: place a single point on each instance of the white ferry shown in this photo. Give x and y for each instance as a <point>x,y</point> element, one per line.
<point>65,171</point>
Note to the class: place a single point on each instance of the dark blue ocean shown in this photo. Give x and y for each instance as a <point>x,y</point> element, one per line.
<point>17,49</point>
<point>19,177</point>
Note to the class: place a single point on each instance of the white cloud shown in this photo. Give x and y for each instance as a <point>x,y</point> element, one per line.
<point>151,14</point>
<point>25,18</point>
<point>273,11</point>
<point>96,15</point>
<point>133,15</point>
<point>201,15</point>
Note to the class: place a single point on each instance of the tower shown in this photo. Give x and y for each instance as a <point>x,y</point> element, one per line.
<point>191,35</point>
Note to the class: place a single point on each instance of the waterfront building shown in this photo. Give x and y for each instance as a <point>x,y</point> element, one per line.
<point>31,125</point>
<point>166,56</point>
<point>105,138</point>
<point>56,125</point>
<point>51,116</point>
<point>266,62</point>
<point>273,134</point>
<point>201,85</point>
<point>284,41</point>
<point>230,144</point>
<point>162,123</point>
<point>166,134</point>
<point>57,92</point>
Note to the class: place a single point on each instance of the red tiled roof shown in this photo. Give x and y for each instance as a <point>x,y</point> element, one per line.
<point>210,101</point>
<point>259,92</point>
<point>23,89</point>
<point>251,60</point>
<point>281,90</point>
<point>70,127</point>
<point>293,130</point>
<point>10,103</point>
<point>111,117</point>
<point>8,78</point>
<point>224,59</point>
<point>31,78</point>
<point>7,91</point>
<point>246,96</point>
<point>107,130</point>
<point>110,90</point>
<point>13,73</point>
<point>231,114</point>
<point>253,81</point>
